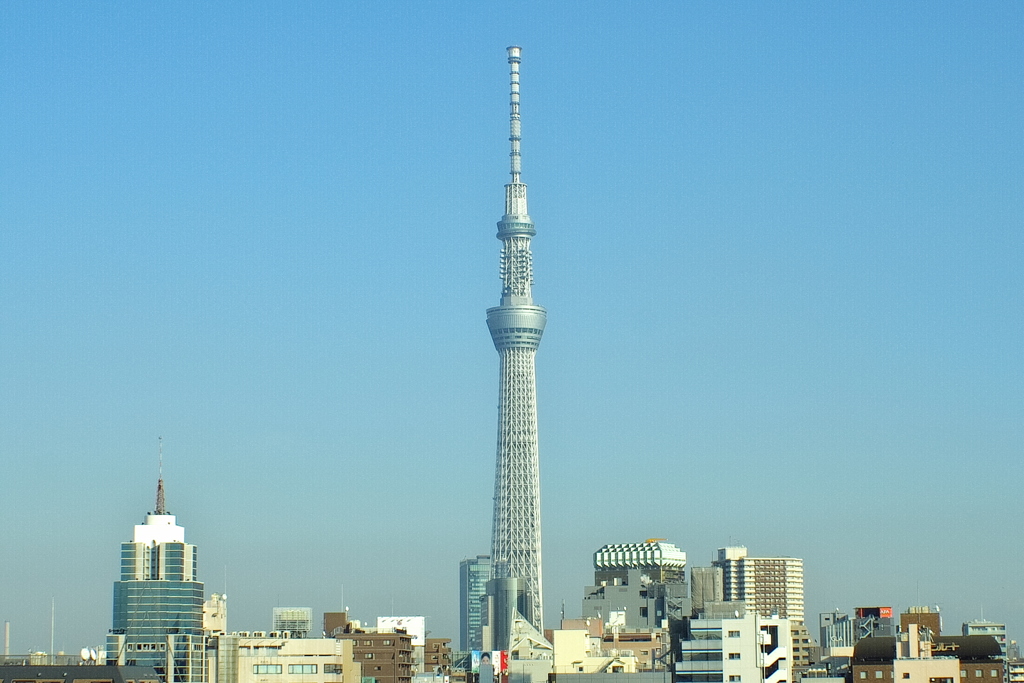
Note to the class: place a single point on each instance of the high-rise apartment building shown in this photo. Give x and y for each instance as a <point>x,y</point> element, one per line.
<point>767,585</point>
<point>158,603</point>
<point>474,573</point>
<point>516,326</point>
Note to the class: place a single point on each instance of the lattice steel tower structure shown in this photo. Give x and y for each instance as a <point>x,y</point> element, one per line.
<point>516,327</point>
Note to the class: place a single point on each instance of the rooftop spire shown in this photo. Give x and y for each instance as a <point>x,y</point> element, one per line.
<point>514,59</point>
<point>161,506</point>
<point>515,191</point>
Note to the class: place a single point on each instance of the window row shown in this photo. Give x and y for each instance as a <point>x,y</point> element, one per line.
<point>294,668</point>
<point>978,673</point>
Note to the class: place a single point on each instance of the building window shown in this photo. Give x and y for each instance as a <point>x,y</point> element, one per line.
<point>878,674</point>
<point>734,634</point>
<point>963,673</point>
<point>302,668</point>
<point>863,674</point>
<point>707,634</point>
<point>994,673</point>
<point>734,679</point>
<point>368,655</point>
<point>332,668</point>
<point>385,642</point>
<point>266,668</point>
<point>704,656</point>
<point>734,655</point>
<point>977,673</point>
<point>906,674</point>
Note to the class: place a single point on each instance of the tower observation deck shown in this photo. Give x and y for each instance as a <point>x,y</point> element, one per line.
<point>516,327</point>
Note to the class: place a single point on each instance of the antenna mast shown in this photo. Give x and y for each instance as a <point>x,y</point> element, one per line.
<point>161,506</point>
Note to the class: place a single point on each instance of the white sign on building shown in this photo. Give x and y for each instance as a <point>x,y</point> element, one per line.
<point>414,626</point>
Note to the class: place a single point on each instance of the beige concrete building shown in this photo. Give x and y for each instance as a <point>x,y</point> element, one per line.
<point>259,657</point>
<point>577,652</point>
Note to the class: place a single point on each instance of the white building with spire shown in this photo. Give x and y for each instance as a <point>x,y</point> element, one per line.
<point>158,601</point>
<point>515,608</point>
<point>516,326</point>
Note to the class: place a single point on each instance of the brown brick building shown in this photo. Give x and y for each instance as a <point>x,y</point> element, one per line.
<point>437,654</point>
<point>386,657</point>
<point>963,659</point>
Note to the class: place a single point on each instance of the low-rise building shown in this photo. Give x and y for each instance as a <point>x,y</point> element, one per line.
<point>23,672</point>
<point>578,652</point>
<point>916,655</point>
<point>275,657</point>
<point>745,649</point>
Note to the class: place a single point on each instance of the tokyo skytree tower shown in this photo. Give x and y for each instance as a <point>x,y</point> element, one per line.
<point>516,327</point>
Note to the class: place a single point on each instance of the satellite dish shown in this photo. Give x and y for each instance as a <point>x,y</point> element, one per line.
<point>93,655</point>
<point>84,654</point>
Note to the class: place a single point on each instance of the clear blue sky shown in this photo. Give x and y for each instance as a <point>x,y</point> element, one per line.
<point>780,246</point>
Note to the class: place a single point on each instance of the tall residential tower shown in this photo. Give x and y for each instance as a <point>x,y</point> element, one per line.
<point>516,327</point>
<point>768,585</point>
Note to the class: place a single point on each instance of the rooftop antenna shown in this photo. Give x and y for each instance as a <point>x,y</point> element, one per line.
<point>161,506</point>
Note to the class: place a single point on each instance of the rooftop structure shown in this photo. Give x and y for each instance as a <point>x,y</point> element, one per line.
<point>659,560</point>
<point>296,620</point>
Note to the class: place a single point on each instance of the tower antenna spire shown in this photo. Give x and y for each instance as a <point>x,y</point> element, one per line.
<point>515,130</point>
<point>161,506</point>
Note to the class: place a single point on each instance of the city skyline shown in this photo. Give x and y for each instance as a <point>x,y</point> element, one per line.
<point>788,285</point>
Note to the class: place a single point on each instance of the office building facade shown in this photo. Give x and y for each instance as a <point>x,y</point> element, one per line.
<point>158,602</point>
<point>474,573</point>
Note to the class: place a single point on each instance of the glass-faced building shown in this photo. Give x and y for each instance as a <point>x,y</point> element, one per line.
<point>474,573</point>
<point>158,603</point>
